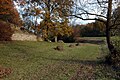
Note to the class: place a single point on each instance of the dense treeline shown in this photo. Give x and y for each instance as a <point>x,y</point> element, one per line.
<point>94,29</point>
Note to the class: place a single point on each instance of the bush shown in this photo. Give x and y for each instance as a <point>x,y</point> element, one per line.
<point>116,44</point>
<point>5,31</point>
<point>113,57</point>
<point>67,39</point>
<point>63,39</point>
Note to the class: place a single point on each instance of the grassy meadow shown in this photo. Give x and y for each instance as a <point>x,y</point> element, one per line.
<point>40,61</point>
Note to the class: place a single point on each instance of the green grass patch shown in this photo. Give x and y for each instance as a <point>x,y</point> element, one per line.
<point>99,38</point>
<point>39,60</point>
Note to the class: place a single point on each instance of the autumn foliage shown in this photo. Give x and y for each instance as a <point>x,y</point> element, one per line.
<point>54,14</point>
<point>4,72</point>
<point>8,12</point>
<point>52,29</point>
<point>8,15</point>
<point>5,31</point>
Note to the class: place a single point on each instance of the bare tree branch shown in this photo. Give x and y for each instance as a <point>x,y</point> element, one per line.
<point>89,18</point>
<point>92,14</point>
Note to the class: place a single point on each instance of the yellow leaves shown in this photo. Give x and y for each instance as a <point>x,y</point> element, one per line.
<point>45,33</point>
<point>37,11</point>
<point>47,15</point>
<point>62,29</point>
<point>50,25</point>
<point>55,28</point>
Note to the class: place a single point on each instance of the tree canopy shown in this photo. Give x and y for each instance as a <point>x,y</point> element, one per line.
<point>54,16</point>
<point>8,12</point>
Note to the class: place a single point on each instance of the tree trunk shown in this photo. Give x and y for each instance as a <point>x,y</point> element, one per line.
<point>55,38</point>
<point>108,24</point>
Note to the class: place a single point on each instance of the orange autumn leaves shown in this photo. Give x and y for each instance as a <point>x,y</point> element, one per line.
<point>8,12</point>
<point>50,28</point>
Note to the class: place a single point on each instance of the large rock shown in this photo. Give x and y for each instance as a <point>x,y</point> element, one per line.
<point>71,45</point>
<point>59,48</point>
<point>60,41</point>
<point>78,44</point>
<point>39,39</point>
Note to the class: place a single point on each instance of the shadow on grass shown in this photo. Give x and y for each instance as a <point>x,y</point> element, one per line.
<point>84,62</point>
<point>91,41</point>
<point>98,68</point>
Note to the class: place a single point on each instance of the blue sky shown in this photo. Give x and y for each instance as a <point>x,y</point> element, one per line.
<point>79,21</point>
<point>87,7</point>
<point>73,21</point>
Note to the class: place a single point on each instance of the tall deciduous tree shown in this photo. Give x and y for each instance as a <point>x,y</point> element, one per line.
<point>52,13</point>
<point>61,29</point>
<point>8,12</point>
<point>94,10</point>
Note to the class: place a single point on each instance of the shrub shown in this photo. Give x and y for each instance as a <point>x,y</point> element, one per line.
<point>5,31</point>
<point>67,39</point>
<point>114,57</point>
<point>116,44</point>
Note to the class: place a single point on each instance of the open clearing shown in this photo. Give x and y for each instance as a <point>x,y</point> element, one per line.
<point>39,61</point>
